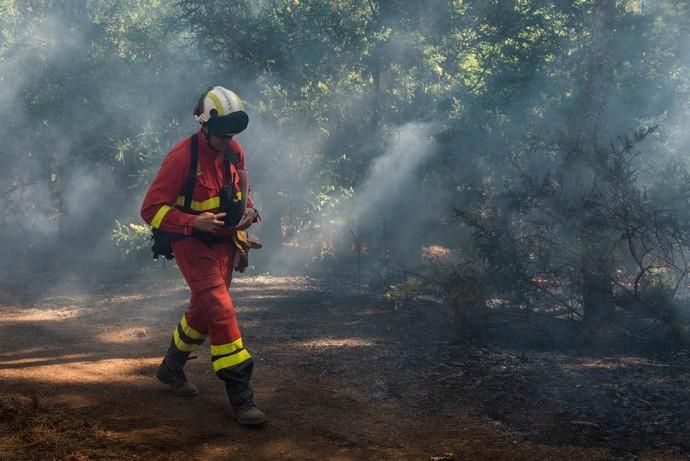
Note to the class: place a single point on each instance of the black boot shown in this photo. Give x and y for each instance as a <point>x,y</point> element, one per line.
<point>171,372</point>
<point>241,394</point>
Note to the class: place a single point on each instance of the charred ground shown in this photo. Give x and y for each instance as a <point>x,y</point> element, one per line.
<point>341,376</point>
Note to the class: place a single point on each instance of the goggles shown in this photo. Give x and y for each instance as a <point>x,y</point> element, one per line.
<point>227,126</point>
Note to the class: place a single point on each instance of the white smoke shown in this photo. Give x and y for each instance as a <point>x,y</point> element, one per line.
<point>394,176</point>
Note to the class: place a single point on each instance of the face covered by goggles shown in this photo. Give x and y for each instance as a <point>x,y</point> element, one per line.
<point>226,126</point>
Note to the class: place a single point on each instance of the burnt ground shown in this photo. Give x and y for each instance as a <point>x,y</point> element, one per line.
<point>341,376</point>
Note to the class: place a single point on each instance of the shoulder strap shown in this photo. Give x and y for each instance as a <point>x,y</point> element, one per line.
<point>191,174</point>
<point>228,158</point>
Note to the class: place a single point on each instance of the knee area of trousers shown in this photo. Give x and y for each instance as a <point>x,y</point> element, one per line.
<point>217,295</point>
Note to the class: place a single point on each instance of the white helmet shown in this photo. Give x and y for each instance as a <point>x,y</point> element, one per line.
<point>217,101</point>
<point>223,109</point>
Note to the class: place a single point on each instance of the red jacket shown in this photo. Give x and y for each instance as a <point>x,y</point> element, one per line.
<point>165,197</point>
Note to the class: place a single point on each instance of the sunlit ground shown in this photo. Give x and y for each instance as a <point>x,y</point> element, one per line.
<point>75,369</point>
<point>59,324</point>
<point>335,343</point>
<point>273,283</point>
<point>41,315</point>
<point>613,363</point>
<point>124,335</point>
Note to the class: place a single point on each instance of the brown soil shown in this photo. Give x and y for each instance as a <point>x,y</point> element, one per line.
<point>341,376</point>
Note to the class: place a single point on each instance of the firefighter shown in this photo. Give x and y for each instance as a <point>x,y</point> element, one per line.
<point>198,208</point>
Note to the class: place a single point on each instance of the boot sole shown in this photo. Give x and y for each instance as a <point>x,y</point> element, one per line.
<point>251,422</point>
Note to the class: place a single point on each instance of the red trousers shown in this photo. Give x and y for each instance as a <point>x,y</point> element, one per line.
<point>208,272</point>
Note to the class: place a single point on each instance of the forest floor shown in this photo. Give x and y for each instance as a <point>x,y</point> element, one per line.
<point>341,376</point>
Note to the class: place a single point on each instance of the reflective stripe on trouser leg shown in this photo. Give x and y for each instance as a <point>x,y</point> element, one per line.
<point>208,271</point>
<point>231,361</point>
<point>186,338</point>
<point>228,355</point>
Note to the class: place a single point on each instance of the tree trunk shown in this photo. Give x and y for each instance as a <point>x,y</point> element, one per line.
<point>55,185</point>
<point>597,291</point>
<point>374,65</point>
<point>600,75</point>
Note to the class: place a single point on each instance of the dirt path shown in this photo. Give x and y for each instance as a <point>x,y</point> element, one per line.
<point>342,377</point>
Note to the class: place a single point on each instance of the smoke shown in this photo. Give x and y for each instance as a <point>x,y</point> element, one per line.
<point>391,196</point>
<point>78,86</point>
<point>394,180</point>
<point>82,87</point>
<point>75,86</point>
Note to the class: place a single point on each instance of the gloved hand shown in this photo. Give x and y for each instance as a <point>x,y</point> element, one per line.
<point>243,243</point>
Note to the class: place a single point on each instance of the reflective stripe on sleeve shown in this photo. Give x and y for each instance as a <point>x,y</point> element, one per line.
<point>158,217</point>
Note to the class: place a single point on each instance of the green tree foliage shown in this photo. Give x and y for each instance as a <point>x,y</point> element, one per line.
<point>571,250</point>
<point>78,78</point>
<point>542,116</point>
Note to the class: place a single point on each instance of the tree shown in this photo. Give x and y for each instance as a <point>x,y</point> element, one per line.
<point>557,229</point>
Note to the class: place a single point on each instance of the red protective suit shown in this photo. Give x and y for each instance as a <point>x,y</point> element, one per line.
<point>207,269</point>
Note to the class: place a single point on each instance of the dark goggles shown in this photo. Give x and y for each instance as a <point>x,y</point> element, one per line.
<point>227,126</point>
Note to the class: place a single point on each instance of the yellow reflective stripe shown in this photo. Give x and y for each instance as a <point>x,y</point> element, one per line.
<point>181,345</point>
<point>231,360</point>
<point>216,102</point>
<point>189,331</point>
<point>239,195</point>
<point>226,348</point>
<point>158,217</point>
<point>210,204</point>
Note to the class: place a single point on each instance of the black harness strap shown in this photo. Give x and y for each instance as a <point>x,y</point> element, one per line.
<point>229,157</point>
<point>162,240</point>
<point>191,175</point>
